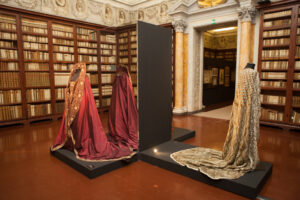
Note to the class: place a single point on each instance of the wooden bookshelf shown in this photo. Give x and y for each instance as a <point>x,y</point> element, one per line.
<point>37,52</point>
<point>279,61</point>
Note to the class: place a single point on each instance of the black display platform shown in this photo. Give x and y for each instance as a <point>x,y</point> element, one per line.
<point>90,169</point>
<point>181,134</point>
<point>248,185</point>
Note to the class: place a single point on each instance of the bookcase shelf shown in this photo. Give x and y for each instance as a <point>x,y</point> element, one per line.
<point>278,55</point>
<point>45,49</point>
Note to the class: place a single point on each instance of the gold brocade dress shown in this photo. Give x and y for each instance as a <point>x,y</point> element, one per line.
<point>240,154</point>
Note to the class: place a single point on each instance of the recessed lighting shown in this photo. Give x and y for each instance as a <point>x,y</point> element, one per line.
<point>155,150</point>
<point>224,29</point>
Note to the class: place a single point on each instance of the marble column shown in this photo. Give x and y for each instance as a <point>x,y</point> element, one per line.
<point>246,15</point>
<point>179,107</point>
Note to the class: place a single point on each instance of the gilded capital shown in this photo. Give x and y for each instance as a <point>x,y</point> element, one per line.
<point>179,25</point>
<point>247,13</point>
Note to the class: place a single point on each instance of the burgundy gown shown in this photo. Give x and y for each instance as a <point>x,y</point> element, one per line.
<point>81,130</point>
<point>122,119</point>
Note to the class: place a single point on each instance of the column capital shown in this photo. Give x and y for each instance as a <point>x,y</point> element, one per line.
<point>247,13</point>
<point>179,25</point>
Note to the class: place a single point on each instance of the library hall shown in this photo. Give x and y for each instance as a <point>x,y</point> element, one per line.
<point>150,99</point>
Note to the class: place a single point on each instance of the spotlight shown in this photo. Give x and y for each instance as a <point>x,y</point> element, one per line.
<point>155,150</point>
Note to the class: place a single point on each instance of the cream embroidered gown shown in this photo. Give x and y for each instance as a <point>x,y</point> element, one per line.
<point>240,153</point>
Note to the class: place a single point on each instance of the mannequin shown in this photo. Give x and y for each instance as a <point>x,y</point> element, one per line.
<point>250,65</point>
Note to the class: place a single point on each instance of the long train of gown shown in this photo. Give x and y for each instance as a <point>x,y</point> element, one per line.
<point>81,130</point>
<point>240,154</point>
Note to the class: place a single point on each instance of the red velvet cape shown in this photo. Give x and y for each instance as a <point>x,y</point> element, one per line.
<point>81,130</point>
<point>122,119</point>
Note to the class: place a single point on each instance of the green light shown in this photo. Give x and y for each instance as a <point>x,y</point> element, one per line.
<point>213,21</point>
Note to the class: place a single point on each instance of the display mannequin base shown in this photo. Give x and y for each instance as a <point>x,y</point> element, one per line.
<point>248,185</point>
<point>180,134</point>
<point>90,169</point>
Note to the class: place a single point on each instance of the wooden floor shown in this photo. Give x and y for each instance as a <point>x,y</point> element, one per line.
<point>28,171</point>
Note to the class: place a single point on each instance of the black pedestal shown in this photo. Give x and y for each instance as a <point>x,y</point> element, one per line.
<point>181,134</point>
<point>90,169</point>
<point>248,185</point>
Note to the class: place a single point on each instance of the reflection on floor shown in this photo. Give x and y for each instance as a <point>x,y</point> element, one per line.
<point>28,171</point>
<point>220,113</point>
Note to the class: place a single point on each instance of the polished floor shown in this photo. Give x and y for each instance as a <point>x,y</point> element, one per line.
<point>28,171</point>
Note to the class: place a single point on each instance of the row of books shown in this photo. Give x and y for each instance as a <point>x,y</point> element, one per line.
<point>133,32</point>
<point>276,84</point>
<point>8,22</point>
<point>33,38</point>
<point>35,46</point>
<point>134,78</point>
<point>134,59</point>
<point>10,96</point>
<point>108,38</point>
<point>296,76</point>
<point>133,38</point>
<point>123,47</point>
<point>123,60</point>
<point>62,28</point>
<point>9,66</point>
<point>281,32</point>
<point>135,91</point>
<point>63,42</point>
<point>9,80</point>
<point>297,51</point>
<point>95,92</point>
<point>97,102</point>
<point>10,112</point>
<point>60,93</point>
<point>87,34</point>
<point>60,106</point>
<point>62,67</point>
<point>133,45</point>
<point>298,30</point>
<point>133,52</point>
<point>295,117</point>
<point>31,23</point>
<point>64,48</point>
<point>133,68</point>
<point>298,39</point>
<point>107,78</point>
<point>276,53</point>
<point>61,79</point>
<point>272,99</point>
<point>87,44</point>
<point>108,52</point>
<point>296,84</point>
<point>279,22</point>
<point>87,37</point>
<point>275,65</point>
<point>106,90</point>
<point>124,34</point>
<point>123,40</point>
<point>87,58</point>
<point>274,75</point>
<point>280,41</point>
<point>110,59</point>
<point>39,110</point>
<point>86,50</point>
<point>108,46</point>
<point>8,36</point>
<point>35,79</point>
<point>8,54</point>
<point>62,33</point>
<point>123,53</point>
<point>92,67</point>
<point>36,55</point>
<point>108,67</point>
<point>270,114</point>
<point>296,101</point>
<point>106,102</point>
<point>94,79</point>
<point>8,44</point>
<point>38,95</point>
<point>278,14</point>
<point>63,57</point>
